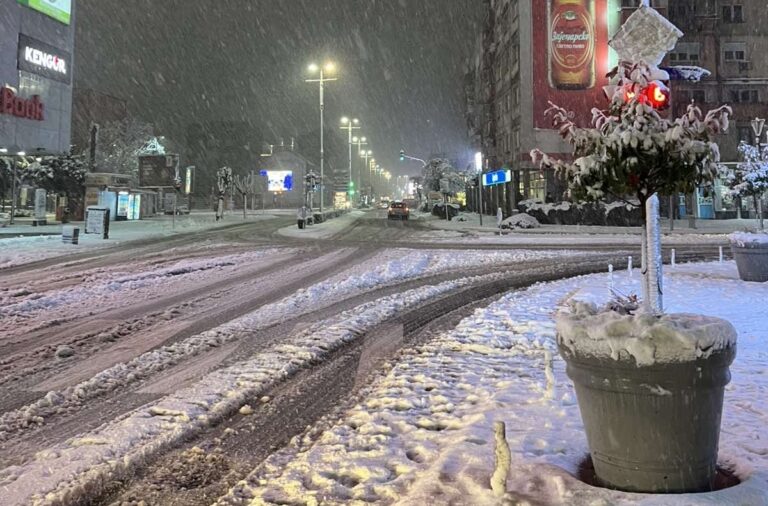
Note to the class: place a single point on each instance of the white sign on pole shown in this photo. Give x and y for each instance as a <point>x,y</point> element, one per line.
<point>40,214</point>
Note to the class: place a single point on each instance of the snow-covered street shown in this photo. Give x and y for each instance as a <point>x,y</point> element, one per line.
<point>424,431</point>
<point>127,362</point>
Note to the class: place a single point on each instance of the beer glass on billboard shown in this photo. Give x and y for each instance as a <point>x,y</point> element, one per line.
<point>571,44</point>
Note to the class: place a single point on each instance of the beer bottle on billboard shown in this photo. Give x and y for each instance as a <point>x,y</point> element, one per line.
<point>571,44</point>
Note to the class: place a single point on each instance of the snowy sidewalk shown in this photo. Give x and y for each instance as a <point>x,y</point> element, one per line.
<point>424,433</point>
<point>706,228</point>
<point>16,250</point>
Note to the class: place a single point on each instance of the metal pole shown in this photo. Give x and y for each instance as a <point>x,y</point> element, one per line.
<point>13,190</point>
<point>322,147</point>
<point>480,198</point>
<point>349,129</point>
<point>654,301</point>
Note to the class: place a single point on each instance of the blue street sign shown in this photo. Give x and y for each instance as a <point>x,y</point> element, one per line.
<point>497,177</point>
<point>263,173</point>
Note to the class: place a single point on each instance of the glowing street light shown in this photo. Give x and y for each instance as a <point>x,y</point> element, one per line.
<point>349,125</point>
<point>313,68</point>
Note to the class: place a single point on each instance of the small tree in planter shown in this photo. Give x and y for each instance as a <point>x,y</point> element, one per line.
<point>750,180</point>
<point>650,386</point>
<point>634,151</point>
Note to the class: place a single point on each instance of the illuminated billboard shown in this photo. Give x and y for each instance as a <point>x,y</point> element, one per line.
<point>570,57</point>
<point>60,10</point>
<point>279,180</point>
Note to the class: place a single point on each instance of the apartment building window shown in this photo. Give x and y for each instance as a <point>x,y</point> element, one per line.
<point>733,13</point>
<point>633,4</point>
<point>745,96</point>
<point>685,52</point>
<point>688,96</point>
<point>735,51</point>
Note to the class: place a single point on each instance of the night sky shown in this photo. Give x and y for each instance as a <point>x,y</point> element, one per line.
<point>176,62</point>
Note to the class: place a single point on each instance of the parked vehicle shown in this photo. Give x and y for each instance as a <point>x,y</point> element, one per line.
<point>398,210</point>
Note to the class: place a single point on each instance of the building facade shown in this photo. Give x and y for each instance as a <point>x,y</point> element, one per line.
<point>510,79</point>
<point>36,65</point>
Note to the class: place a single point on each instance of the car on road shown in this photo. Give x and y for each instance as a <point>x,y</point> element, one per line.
<point>383,204</point>
<point>398,210</point>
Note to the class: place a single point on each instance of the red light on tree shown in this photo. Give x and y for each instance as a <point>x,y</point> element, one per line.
<point>657,95</point>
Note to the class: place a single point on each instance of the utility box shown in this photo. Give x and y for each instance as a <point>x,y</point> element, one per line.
<point>70,234</point>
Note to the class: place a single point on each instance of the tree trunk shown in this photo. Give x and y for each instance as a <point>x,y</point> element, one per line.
<point>655,302</point>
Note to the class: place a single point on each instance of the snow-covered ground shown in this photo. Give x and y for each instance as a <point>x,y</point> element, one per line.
<point>424,432</point>
<point>21,250</point>
<point>385,268</point>
<point>471,230</point>
<point>70,471</point>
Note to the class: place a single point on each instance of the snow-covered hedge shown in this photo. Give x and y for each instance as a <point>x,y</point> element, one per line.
<point>521,220</point>
<point>617,214</point>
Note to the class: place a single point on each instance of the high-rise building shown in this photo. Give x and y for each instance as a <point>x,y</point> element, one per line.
<point>528,55</point>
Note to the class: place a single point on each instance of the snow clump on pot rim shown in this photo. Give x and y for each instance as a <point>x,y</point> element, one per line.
<point>583,330</point>
<point>749,240</point>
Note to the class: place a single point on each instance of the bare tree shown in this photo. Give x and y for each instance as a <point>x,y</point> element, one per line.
<point>246,187</point>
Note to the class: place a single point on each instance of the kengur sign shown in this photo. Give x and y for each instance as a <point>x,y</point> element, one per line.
<point>29,108</point>
<point>43,59</point>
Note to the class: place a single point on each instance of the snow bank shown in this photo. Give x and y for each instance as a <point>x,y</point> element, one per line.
<point>324,230</point>
<point>426,429</point>
<point>644,338</point>
<point>521,220</point>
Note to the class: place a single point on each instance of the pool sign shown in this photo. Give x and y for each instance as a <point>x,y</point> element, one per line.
<point>497,177</point>
<point>60,10</point>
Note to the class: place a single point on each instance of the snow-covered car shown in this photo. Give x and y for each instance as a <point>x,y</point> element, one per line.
<point>398,210</point>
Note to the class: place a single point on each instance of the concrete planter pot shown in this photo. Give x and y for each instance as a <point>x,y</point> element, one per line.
<point>751,257</point>
<point>651,407</point>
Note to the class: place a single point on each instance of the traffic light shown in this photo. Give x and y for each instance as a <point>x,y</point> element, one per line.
<point>351,187</point>
<point>656,94</point>
<point>402,155</point>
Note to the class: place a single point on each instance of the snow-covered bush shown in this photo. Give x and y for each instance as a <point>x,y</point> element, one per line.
<point>750,177</point>
<point>521,220</point>
<point>441,176</point>
<point>63,175</point>
<point>633,151</point>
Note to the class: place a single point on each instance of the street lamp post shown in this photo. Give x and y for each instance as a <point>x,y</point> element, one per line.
<point>758,125</point>
<point>349,125</point>
<point>360,141</point>
<point>366,155</point>
<point>313,68</point>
